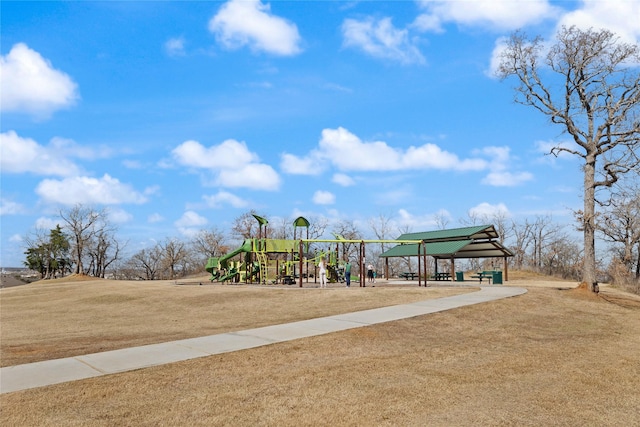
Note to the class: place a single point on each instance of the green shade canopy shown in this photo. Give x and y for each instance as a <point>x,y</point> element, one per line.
<point>468,242</point>
<point>301,222</point>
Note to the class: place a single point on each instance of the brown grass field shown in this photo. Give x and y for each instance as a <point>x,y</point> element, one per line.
<point>554,356</point>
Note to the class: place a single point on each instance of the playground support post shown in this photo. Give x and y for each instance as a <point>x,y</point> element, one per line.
<point>300,261</point>
<point>362,266</point>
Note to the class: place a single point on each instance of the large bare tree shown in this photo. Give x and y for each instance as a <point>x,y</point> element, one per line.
<point>82,223</point>
<point>588,83</point>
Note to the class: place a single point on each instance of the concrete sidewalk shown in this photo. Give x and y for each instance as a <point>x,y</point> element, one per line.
<point>39,374</point>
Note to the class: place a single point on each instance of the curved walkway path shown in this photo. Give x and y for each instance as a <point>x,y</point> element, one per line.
<point>39,374</point>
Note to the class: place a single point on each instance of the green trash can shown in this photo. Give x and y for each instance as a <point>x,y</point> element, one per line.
<point>459,276</point>
<point>497,277</point>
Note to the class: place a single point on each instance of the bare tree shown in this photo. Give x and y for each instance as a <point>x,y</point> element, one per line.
<point>102,249</point>
<point>282,229</point>
<point>147,263</point>
<point>562,257</point>
<point>405,261</point>
<point>521,240</point>
<point>246,226</point>
<point>543,233</point>
<point>598,106</point>
<point>81,223</point>
<point>174,253</point>
<point>317,226</point>
<point>441,219</point>
<point>384,229</point>
<point>209,243</point>
<point>620,225</point>
<point>349,231</point>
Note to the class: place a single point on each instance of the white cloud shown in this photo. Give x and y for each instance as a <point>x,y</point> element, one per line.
<point>69,148</point>
<point>24,155</point>
<point>44,223</point>
<point>506,179</point>
<point>231,162</point>
<point>175,46</point>
<point>190,223</point>
<point>191,219</point>
<point>255,176</point>
<point>16,238</point>
<point>119,216</point>
<point>343,180</point>
<point>396,196</point>
<point>496,57</point>
<point>132,164</point>
<point>486,210</point>
<point>250,23</point>
<point>380,39</point>
<point>229,154</point>
<point>428,22</point>
<point>499,15</point>
<point>31,85</point>
<point>414,222</point>
<point>224,198</point>
<point>87,190</point>
<point>347,152</point>
<point>154,218</point>
<point>501,162</point>
<point>544,147</point>
<point>9,207</point>
<point>323,198</point>
<point>309,165</point>
<point>620,16</point>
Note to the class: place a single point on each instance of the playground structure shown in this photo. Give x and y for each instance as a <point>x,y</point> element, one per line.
<point>275,261</point>
<point>285,261</point>
<point>272,261</point>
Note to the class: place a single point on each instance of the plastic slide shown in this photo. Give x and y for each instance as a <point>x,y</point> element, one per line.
<point>247,246</point>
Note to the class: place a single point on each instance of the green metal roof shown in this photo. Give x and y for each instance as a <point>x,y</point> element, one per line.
<point>468,242</point>
<point>474,233</point>
<point>432,249</point>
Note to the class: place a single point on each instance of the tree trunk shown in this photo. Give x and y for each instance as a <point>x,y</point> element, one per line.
<point>78,256</point>
<point>589,224</point>
<point>638,264</point>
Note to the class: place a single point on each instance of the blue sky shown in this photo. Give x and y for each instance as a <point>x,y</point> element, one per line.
<point>181,116</point>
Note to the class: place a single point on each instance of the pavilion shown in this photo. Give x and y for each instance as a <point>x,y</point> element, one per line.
<point>481,241</point>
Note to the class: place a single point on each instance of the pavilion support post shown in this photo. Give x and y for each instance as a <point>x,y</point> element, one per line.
<point>453,269</point>
<point>419,262</point>
<point>506,269</point>
<point>424,261</point>
<point>386,268</point>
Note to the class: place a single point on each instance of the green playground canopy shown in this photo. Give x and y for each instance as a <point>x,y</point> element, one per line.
<point>468,242</point>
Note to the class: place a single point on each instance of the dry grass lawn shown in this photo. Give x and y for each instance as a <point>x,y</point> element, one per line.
<point>554,356</point>
<point>61,318</point>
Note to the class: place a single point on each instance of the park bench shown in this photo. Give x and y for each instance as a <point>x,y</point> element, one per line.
<point>409,275</point>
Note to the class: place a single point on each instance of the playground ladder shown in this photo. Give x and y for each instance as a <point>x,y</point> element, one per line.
<point>262,260</point>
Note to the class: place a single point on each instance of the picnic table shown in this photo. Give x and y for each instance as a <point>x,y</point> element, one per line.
<point>483,275</point>
<point>442,276</point>
<point>409,275</point>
